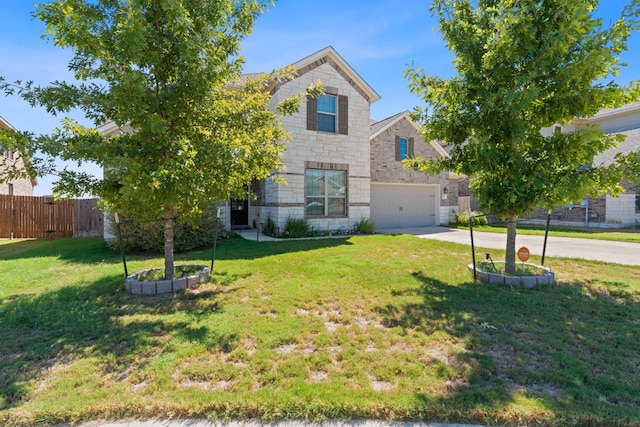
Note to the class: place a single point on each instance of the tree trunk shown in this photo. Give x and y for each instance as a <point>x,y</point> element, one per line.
<point>510,257</point>
<point>168,242</point>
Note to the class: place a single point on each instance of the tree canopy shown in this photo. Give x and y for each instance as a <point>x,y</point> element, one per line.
<point>524,65</point>
<point>167,74</point>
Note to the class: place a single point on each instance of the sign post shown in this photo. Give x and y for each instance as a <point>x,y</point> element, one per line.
<point>523,255</point>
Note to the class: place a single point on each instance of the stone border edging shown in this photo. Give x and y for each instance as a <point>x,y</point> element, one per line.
<point>136,287</point>
<point>529,282</point>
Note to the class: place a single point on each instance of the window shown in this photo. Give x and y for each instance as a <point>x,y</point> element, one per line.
<point>326,193</point>
<point>328,113</point>
<point>638,196</point>
<point>404,148</point>
<point>10,189</point>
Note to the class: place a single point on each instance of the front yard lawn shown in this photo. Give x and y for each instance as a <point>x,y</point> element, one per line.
<point>385,327</point>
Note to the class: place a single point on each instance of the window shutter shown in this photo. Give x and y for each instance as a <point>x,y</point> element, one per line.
<point>343,114</point>
<point>410,149</point>
<point>397,148</point>
<point>312,113</point>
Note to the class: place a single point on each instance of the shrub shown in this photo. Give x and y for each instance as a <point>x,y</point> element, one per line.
<point>296,227</point>
<point>478,219</point>
<point>365,226</point>
<point>270,228</point>
<point>148,236</point>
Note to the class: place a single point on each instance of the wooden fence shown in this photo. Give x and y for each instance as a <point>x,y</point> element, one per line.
<point>44,217</point>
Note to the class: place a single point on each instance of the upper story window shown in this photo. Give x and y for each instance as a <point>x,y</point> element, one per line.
<point>404,148</point>
<point>328,112</point>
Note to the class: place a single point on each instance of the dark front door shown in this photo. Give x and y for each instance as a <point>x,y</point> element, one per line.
<point>239,213</point>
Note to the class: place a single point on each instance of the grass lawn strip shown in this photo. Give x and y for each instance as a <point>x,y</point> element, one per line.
<point>612,234</point>
<point>384,327</point>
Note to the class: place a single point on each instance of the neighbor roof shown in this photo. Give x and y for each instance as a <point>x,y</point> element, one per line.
<point>633,107</point>
<point>630,145</point>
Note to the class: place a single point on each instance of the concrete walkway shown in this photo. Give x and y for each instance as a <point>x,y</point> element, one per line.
<point>565,247</point>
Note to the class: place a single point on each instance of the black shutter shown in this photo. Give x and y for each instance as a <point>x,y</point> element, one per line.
<point>410,149</point>
<point>397,148</point>
<point>312,113</point>
<point>343,114</point>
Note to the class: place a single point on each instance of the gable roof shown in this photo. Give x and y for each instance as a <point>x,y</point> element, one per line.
<point>379,127</point>
<point>328,55</point>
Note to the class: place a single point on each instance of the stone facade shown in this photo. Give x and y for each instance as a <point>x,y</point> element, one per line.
<point>312,149</point>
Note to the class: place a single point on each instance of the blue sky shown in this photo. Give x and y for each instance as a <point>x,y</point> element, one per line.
<point>378,38</point>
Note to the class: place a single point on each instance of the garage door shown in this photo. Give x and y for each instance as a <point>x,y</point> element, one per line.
<point>397,205</point>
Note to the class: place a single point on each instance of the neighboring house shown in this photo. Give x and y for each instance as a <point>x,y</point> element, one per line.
<point>605,211</point>
<point>402,198</point>
<point>18,187</point>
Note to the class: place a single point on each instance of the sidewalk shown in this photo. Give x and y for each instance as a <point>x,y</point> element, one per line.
<point>257,423</point>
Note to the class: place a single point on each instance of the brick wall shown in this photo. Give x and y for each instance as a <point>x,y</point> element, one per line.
<point>384,167</point>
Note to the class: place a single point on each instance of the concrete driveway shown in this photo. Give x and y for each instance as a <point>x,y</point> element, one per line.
<point>565,247</point>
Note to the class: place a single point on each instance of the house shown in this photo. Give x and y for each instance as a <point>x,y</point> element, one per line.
<point>327,164</point>
<point>402,198</point>
<point>17,187</point>
<point>605,211</point>
<point>340,168</point>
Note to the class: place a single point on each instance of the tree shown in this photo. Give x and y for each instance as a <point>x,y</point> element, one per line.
<point>523,65</point>
<point>169,72</point>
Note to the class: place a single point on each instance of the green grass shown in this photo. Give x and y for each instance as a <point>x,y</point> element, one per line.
<point>385,327</point>
<point>613,234</point>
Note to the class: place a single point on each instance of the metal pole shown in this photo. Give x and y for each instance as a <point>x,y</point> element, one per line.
<point>121,244</point>
<point>473,250</point>
<point>546,233</point>
<point>215,239</point>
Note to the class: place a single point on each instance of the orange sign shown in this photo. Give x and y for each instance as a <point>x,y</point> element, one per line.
<point>523,254</point>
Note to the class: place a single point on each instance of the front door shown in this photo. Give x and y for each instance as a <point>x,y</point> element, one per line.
<point>239,213</point>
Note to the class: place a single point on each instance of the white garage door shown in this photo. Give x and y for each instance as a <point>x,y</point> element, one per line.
<point>401,205</point>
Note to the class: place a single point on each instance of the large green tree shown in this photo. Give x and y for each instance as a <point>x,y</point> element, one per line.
<point>524,65</point>
<point>168,74</point>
